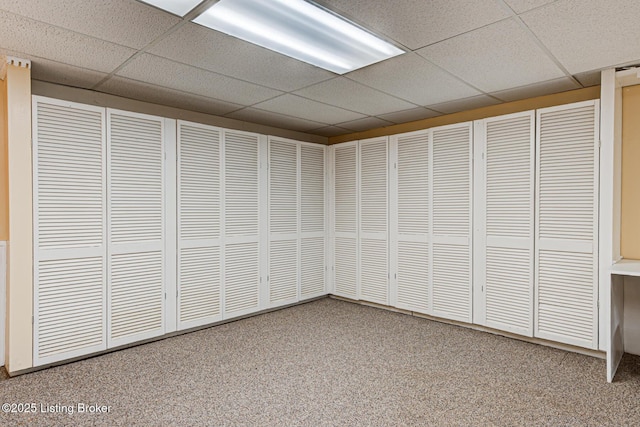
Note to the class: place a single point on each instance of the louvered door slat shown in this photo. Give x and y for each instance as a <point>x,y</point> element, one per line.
<point>509,226</point>
<point>451,220</point>
<point>69,230</point>
<point>413,219</point>
<point>199,219</point>
<point>136,228</point>
<point>241,200</point>
<point>566,235</point>
<point>283,274</point>
<point>346,267</point>
<point>374,285</point>
<point>312,267</point>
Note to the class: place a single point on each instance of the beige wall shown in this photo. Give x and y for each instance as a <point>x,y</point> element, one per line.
<point>477,114</point>
<point>4,176</point>
<point>19,330</point>
<point>630,199</point>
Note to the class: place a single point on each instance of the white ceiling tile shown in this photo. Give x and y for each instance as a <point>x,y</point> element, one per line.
<point>414,79</point>
<point>295,106</point>
<point>45,41</point>
<point>55,72</point>
<point>538,89</point>
<point>330,131</point>
<point>418,23</point>
<point>588,34</point>
<point>350,95</point>
<point>163,72</point>
<point>274,119</point>
<point>124,22</point>
<point>520,6</point>
<point>215,51</point>
<point>590,78</point>
<point>365,124</point>
<point>492,59</point>
<point>410,115</point>
<point>464,104</point>
<point>163,96</point>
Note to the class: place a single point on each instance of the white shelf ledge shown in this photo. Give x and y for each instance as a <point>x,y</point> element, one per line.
<point>626,267</point>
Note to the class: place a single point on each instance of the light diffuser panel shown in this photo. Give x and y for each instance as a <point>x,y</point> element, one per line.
<point>301,30</point>
<point>178,7</point>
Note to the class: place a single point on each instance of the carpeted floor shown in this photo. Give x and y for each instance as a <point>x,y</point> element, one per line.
<point>332,363</point>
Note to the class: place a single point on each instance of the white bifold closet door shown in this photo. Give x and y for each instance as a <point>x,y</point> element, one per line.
<point>312,221</point>
<point>566,224</point>
<point>505,216</point>
<point>410,213</point>
<point>346,220</point>
<point>373,225</point>
<point>451,225</point>
<point>69,190</point>
<point>199,219</point>
<point>284,191</point>
<point>241,266</point>
<point>135,159</point>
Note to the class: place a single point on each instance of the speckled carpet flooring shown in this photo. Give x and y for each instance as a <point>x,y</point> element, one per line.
<point>331,363</point>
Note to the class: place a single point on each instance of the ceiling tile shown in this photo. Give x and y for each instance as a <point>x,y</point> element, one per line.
<point>491,58</point>
<point>464,104</point>
<point>416,23</point>
<point>55,72</point>
<point>365,124</point>
<point>274,119</point>
<point>45,41</point>
<point>350,95</point>
<point>303,108</point>
<point>590,78</point>
<point>126,22</point>
<point>330,131</point>
<point>215,51</point>
<point>520,6</point>
<point>410,115</point>
<point>538,89</point>
<point>586,35</point>
<point>163,96</point>
<point>414,79</point>
<point>163,72</point>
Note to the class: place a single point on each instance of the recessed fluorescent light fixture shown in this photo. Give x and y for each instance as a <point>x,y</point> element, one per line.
<point>301,30</point>
<point>178,7</point>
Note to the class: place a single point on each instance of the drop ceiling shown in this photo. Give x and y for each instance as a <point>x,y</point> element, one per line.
<point>461,54</point>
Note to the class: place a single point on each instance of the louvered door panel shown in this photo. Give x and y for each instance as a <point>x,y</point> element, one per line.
<point>283,274</point>
<point>136,230</point>
<point>566,235</point>
<point>413,219</point>
<point>346,220</point>
<point>69,230</point>
<point>283,221</point>
<point>451,226</point>
<point>509,227</point>
<point>374,283</point>
<point>241,268</point>
<point>312,267</point>
<point>199,219</point>
<point>312,221</point>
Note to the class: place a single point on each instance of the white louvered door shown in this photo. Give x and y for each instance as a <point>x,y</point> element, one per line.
<point>136,226</point>
<point>241,266</point>
<point>373,209</point>
<point>451,175</point>
<point>346,220</point>
<point>410,230</point>
<point>504,263</point>
<point>283,221</point>
<point>312,220</point>
<point>566,224</point>
<point>69,160</point>
<point>199,217</point>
